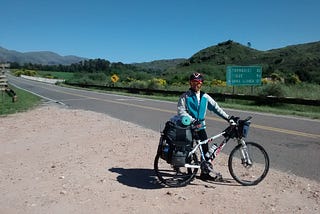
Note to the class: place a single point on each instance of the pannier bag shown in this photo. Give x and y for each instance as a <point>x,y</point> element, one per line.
<point>243,128</point>
<point>176,142</point>
<point>164,149</point>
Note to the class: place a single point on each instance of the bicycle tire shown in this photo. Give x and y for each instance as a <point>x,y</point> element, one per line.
<point>246,174</point>
<point>175,176</point>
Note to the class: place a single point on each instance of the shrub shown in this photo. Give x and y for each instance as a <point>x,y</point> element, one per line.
<point>293,79</point>
<point>274,89</point>
<point>276,77</point>
<point>216,82</point>
<point>156,83</point>
<point>137,84</point>
<point>31,73</point>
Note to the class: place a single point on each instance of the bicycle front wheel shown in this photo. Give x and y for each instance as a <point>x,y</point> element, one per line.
<point>249,170</point>
<point>175,176</point>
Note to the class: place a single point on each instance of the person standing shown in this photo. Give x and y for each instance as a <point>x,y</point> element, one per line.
<point>194,103</point>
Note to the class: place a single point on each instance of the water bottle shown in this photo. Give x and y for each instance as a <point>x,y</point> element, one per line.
<point>165,151</point>
<point>210,154</point>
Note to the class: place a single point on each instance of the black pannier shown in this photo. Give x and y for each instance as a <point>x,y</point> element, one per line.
<point>176,143</point>
<point>243,128</point>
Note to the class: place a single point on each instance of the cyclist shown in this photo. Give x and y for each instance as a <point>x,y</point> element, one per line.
<point>194,103</point>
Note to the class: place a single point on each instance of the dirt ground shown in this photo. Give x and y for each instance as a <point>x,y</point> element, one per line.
<point>59,160</point>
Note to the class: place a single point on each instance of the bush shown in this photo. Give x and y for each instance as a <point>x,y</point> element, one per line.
<point>137,84</point>
<point>31,73</point>
<point>275,77</point>
<point>293,79</point>
<point>274,89</point>
<point>216,82</point>
<point>156,83</point>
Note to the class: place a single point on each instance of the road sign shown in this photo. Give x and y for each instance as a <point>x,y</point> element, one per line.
<point>114,78</point>
<point>244,75</point>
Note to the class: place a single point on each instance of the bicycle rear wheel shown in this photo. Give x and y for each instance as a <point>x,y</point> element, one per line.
<point>252,172</point>
<point>175,176</point>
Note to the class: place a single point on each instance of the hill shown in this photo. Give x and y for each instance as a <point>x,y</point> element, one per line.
<point>160,65</point>
<point>302,60</point>
<point>37,57</point>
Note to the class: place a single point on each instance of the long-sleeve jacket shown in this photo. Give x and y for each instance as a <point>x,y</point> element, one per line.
<point>188,105</point>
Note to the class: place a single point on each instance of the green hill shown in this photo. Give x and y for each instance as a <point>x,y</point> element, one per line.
<point>159,65</point>
<point>302,60</point>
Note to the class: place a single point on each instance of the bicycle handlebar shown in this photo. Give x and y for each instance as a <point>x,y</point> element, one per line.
<point>195,125</point>
<point>237,119</point>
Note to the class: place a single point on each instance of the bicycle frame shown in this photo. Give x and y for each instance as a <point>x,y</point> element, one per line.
<point>199,144</point>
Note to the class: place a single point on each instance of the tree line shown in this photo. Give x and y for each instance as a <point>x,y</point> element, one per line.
<point>88,66</point>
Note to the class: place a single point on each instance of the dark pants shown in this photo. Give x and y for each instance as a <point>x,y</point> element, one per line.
<point>202,134</point>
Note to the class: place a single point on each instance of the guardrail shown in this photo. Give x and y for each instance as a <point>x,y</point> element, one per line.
<point>41,79</point>
<point>218,96</point>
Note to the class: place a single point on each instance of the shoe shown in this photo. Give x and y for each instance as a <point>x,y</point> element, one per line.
<point>206,167</point>
<point>208,177</point>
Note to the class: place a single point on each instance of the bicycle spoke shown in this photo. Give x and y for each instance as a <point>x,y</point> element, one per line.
<point>245,173</point>
<point>174,176</point>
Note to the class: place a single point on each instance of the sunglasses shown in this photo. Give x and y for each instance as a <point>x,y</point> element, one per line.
<point>196,81</point>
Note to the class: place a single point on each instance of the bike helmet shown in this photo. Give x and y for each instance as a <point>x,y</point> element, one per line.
<point>196,77</point>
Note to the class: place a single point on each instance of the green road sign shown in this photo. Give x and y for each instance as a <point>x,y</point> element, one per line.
<point>244,75</point>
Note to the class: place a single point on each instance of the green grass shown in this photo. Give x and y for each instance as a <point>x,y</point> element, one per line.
<point>312,112</point>
<point>25,101</point>
<point>56,74</point>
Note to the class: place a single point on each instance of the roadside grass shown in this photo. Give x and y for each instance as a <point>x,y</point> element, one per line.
<point>312,112</point>
<point>56,74</point>
<point>25,101</point>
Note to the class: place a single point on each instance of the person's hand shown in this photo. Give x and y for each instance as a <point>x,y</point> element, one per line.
<point>233,119</point>
<point>197,124</point>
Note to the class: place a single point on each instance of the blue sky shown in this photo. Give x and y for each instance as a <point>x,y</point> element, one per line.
<point>145,30</point>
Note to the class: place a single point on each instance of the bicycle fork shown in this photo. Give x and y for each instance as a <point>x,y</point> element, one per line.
<point>245,158</point>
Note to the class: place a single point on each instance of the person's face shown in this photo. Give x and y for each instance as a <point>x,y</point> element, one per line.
<point>195,85</point>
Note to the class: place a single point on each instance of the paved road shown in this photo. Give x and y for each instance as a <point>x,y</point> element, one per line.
<point>293,143</point>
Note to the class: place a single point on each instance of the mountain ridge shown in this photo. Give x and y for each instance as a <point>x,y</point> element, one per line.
<point>37,57</point>
<point>302,60</point>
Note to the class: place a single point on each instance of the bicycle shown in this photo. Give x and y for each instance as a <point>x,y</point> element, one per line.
<point>248,162</point>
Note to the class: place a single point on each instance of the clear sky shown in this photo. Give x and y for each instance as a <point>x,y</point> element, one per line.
<point>145,30</point>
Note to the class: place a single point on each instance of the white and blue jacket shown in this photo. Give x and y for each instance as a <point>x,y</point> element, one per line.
<point>188,105</point>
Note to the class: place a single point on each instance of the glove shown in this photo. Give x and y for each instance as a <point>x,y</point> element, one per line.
<point>233,119</point>
<point>197,124</point>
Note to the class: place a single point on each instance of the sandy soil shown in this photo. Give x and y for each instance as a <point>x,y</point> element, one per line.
<point>58,160</point>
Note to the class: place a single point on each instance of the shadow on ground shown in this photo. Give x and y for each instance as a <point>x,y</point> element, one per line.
<point>146,179</point>
<point>139,178</point>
